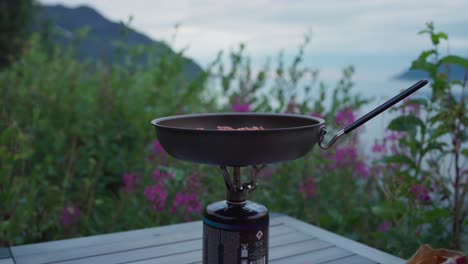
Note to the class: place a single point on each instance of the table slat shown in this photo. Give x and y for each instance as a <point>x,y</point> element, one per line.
<point>284,239</point>
<point>7,261</point>
<point>316,257</point>
<point>184,258</point>
<point>355,259</point>
<point>294,249</point>
<point>5,253</point>
<point>171,250</point>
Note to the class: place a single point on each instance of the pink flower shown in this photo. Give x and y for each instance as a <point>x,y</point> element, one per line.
<point>344,155</point>
<point>157,147</point>
<point>317,115</point>
<point>362,169</point>
<point>409,108</point>
<point>186,205</point>
<point>385,226</point>
<point>420,192</point>
<point>70,216</point>
<point>393,136</point>
<point>159,175</point>
<point>436,186</point>
<point>194,183</point>
<point>394,149</point>
<point>157,195</point>
<point>130,181</point>
<point>345,117</point>
<point>157,152</point>
<point>378,148</point>
<point>308,189</point>
<point>170,175</point>
<point>238,106</point>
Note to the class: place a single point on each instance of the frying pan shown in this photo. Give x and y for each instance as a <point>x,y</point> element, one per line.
<point>195,137</point>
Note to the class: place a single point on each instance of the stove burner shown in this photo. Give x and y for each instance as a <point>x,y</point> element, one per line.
<point>236,191</point>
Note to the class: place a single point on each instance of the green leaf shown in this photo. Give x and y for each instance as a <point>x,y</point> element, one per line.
<point>442,35</point>
<point>388,209</point>
<point>423,31</point>
<point>335,215</point>
<point>439,131</point>
<point>423,56</point>
<point>405,123</point>
<point>452,59</point>
<point>98,202</point>
<point>435,146</point>
<point>261,76</point>
<point>420,101</point>
<point>378,210</point>
<point>225,83</point>
<point>436,214</point>
<point>465,152</point>
<point>435,39</point>
<point>423,65</point>
<point>400,159</point>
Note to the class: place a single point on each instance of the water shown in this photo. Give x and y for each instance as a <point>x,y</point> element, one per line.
<point>381,91</point>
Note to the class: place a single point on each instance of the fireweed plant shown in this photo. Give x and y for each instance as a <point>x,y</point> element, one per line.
<point>422,169</point>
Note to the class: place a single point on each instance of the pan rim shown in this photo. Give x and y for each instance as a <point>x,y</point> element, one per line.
<point>156,122</point>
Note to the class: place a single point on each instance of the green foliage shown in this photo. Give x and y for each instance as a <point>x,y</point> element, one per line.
<point>70,130</point>
<point>428,158</point>
<point>406,124</point>
<point>451,59</point>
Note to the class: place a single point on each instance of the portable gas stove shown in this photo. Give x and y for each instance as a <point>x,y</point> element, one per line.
<point>235,231</point>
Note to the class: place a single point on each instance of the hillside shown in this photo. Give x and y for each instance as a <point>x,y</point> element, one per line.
<point>101,36</point>
<point>456,73</point>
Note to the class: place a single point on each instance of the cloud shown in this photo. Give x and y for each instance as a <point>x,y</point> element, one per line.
<point>368,27</point>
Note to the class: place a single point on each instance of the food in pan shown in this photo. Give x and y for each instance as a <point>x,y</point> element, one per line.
<point>240,128</point>
<point>231,128</point>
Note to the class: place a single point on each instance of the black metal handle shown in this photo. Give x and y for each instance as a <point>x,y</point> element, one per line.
<point>368,116</point>
<point>385,106</point>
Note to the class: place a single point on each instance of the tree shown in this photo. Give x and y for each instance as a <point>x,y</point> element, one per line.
<point>15,20</point>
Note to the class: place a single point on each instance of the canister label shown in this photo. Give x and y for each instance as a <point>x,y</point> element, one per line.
<point>234,244</point>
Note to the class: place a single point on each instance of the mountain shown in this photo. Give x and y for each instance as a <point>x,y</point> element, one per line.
<point>456,72</point>
<point>101,35</point>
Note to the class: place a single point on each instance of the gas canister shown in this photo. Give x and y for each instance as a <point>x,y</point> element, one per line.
<point>235,233</point>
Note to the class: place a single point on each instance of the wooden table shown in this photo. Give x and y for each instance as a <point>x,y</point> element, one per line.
<point>291,241</point>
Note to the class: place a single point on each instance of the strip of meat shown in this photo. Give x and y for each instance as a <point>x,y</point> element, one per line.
<point>231,128</point>
<point>240,128</point>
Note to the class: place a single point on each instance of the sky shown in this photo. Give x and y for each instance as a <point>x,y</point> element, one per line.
<point>379,37</point>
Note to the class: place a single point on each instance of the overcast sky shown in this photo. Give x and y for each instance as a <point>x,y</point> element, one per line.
<point>372,34</point>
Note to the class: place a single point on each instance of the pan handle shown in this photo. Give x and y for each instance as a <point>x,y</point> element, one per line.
<point>369,115</point>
